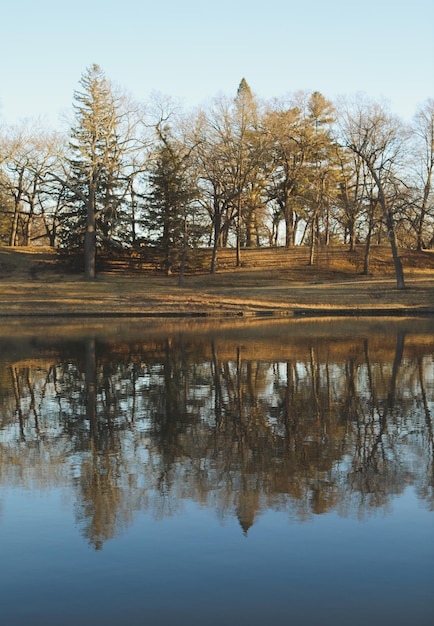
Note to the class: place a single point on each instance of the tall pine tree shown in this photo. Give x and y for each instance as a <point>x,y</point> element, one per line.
<point>95,167</point>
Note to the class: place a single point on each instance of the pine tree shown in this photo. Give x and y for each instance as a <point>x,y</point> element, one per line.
<point>244,90</point>
<point>169,202</point>
<point>95,167</point>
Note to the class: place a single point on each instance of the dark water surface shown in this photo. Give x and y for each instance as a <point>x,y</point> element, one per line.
<point>260,474</point>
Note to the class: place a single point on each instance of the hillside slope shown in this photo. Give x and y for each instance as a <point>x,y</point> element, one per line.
<point>329,263</point>
<point>270,282</point>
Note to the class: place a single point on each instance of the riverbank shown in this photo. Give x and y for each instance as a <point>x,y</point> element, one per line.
<point>33,284</point>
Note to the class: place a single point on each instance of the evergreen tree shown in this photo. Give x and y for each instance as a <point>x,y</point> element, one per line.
<point>248,166</point>
<point>244,92</point>
<point>95,168</point>
<point>170,202</point>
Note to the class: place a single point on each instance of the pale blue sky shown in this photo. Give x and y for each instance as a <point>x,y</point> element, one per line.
<point>194,50</point>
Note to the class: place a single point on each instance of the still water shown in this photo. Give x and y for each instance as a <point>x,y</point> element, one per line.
<point>247,474</point>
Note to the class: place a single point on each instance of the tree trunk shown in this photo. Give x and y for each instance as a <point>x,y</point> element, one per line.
<point>217,222</point>
<point>14,226</point>
<point>289,225</point>
<point>29,224</point>
<point>89,253</point>
<point>366,257</point>
<point>352,234</point>
<point>90,238</point>
<point>369,238</point>
<point>399,272</point>
<point>388,218</point>
<point>327,225</point>
<point>238,241</point>
<point>423,212</point>
<point>312,241</point>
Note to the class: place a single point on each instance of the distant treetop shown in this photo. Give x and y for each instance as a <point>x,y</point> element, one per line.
<point>244,89</point>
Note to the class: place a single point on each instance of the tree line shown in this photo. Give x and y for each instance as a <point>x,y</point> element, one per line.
<point>156,180</point>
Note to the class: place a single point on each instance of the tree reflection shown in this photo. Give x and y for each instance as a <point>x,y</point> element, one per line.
<point>317,425</point>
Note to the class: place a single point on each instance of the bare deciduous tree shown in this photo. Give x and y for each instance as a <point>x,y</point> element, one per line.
<point>378,138</point>
<point>424,132</point>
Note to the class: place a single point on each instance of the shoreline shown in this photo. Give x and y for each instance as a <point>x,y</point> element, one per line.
<point>305,312</point>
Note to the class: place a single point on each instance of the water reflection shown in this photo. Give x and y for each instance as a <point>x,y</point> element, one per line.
<point>294,422</point>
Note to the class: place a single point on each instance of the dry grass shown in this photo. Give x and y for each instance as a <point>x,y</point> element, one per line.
<point>270,282</point>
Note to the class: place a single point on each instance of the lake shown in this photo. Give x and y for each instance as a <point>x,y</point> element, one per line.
<point>250,472</point>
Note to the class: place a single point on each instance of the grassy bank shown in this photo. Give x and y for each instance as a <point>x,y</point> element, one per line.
<point>270,282</point>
